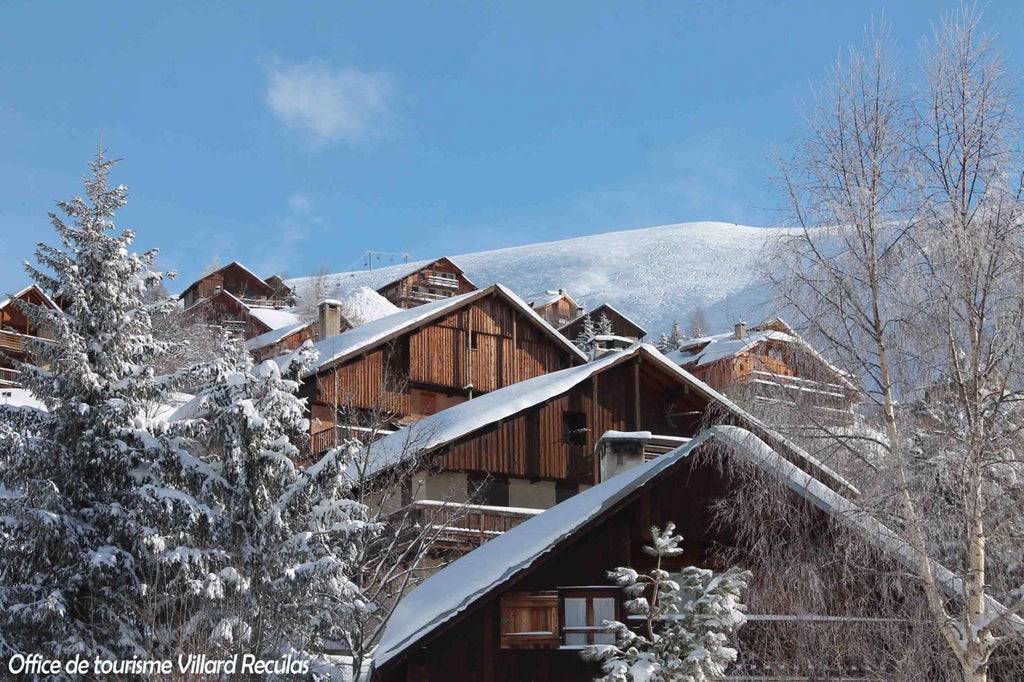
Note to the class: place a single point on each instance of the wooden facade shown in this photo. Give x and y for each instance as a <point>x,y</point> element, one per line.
<point>774,368</point>
<point>557,308</point>
<point>224,309</point>
<point>483,344</point>
<point>240,282</point>
<point>285,344</point>
<point>555,440</point>
<point>621,325</point>
<point>15,330</point>
<point>514,622</point>
<point>435,281</point>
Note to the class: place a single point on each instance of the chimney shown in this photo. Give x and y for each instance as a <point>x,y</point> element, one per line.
<point>619,451</point>
<point>561,292</point>
<point>741,330</point>
<point>328,319</point>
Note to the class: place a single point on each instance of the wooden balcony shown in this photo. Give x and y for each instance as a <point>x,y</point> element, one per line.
<point>439,281</point>
<point>417,293</point>
<point>464,527</point>
<point>11,341</point>
<point>331,437</point>
<point>9,377</point>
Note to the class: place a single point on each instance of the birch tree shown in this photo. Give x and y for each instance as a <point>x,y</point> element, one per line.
<point>908,267</point>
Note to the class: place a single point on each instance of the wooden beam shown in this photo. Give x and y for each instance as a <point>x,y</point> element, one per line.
<point>636,395</point>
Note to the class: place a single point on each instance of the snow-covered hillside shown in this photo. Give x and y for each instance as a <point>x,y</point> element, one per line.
<point>655,275</point>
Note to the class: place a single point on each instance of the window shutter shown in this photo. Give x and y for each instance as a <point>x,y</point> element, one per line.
<point>529,620</point>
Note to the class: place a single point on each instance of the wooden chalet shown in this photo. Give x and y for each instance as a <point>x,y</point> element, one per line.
<point>522,606</point>
<point>532,445</point>
<point>406,285</point>
<point>241,283</point>
<point>421,360</point>
<point>622,326</point>
<point>15,330</point>
<point>277,342</point>
<point>770,364</point>
<point>556,306</point>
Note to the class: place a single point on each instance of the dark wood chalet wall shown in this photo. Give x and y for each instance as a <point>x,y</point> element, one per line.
<point>485,346</point>
<point>534,444</point>
<point>472,651</point>
<point>621,326</point>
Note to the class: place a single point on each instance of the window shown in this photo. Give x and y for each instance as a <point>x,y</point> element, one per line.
<point>584,610</point>
<point>564,490</point>
<point>529,620</point>
<point>472,340</point>
<point>489,490</point>
<point>574,428</point>
<point>569,617</point>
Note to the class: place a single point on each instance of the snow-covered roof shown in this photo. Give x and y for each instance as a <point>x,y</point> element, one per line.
<point>704,350</point>
<point>274,335</point>
<point>600,308</point>
<point>30,287</point>
<point>547,297</point>
<point>335,349</point>
<point>454,589</point>
<point>232,264</point>
<point>366,305</point>
<point>275,318</point>
<point>20,397</point>
<point>463,419</point>
<point>342,284</point>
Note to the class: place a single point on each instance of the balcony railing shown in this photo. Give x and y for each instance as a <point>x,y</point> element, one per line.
<point>416,293</point>
<point>441,281</point>
<point>322,441</point>
<point>466,526</point>
<point>9,377</point>
<point>11,340</point>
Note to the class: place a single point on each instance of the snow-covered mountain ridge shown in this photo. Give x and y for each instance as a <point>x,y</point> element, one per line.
<point>655,275</point>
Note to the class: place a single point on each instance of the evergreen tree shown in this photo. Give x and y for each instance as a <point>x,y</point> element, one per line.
<point>687,620</point>
<point>76,497</point>
<point>586,339</point>
<point>673,341</point>
<point>272,576</point>
<point>604,326</point>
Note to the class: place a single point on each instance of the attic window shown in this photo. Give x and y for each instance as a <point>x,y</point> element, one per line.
<point>574,428</point>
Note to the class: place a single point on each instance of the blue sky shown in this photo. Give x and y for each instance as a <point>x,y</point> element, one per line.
<point>290,136</point>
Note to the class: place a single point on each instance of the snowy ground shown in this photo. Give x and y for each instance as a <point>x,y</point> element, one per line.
<point>656,274</point>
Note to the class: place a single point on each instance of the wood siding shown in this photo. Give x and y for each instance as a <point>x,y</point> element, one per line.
<point>621,325</point>
<point>533,444</point>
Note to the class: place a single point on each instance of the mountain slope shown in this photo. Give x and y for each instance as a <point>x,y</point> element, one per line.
<point>655,275</point>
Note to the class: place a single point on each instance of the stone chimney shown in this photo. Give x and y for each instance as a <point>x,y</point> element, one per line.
<point>328,319</point>
<point>741,330</point>
<point>618,451</point>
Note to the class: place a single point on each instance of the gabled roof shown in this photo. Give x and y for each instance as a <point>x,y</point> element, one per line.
<point>336,349</point>
<point>275,318</point>
<point>31,287</point>
<point>543,299</point>
<point>458,421</point>
<point>342,284</point>
<point>705,350</point>
<point>455,589</point>
<point>274,336</point>
<point>594,315</point>
<point>233,264</point>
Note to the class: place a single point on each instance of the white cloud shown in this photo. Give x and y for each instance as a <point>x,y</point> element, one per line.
<point>330,105</point>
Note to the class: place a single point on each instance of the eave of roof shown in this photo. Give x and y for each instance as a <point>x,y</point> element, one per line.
<point>372,334</point>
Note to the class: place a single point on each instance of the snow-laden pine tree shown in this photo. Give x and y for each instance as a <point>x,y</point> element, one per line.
<point>674,340</point>
<point>586,339</point>
<point>687,620</point>
<point>75,502</point>
<point>273,573</point>
<point>604,326</point>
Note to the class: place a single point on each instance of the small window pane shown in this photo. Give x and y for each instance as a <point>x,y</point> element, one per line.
<point>604,609</point>
<point>575,613</point>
